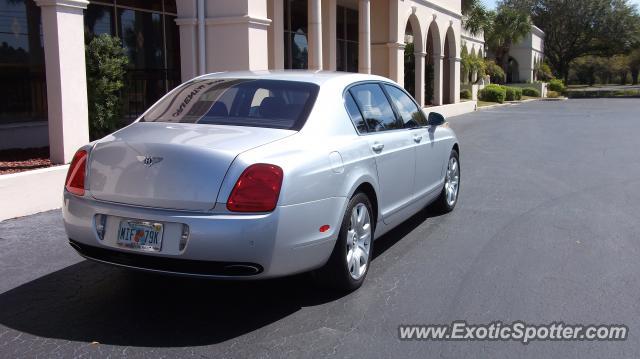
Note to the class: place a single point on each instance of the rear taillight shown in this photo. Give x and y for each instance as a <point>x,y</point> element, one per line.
<point>76,174</point>
<point>257,189</point>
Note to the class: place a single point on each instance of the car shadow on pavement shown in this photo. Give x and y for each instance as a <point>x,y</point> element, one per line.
<point>92,302</point>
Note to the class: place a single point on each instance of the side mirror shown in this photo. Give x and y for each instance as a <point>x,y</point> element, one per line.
<point>435,119</point>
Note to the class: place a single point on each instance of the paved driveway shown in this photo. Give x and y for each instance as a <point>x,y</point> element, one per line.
<point>547,229</point>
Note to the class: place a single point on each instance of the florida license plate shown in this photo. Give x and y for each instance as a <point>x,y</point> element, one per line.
<point>146,236</point>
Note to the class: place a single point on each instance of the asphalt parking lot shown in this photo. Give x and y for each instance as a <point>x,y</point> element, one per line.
<point>547,229</point>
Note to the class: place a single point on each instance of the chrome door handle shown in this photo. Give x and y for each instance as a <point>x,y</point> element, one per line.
<point>417,139</point>
<point>377,147</point>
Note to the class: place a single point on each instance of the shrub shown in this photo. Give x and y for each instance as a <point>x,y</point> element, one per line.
<point>531,92</point>
<point>465,94</point>
<point>513,94</point>
<point>106,63</point>
<point>552,94</point>
<point>543,72</point>
<point>556,85</point>
<point>495,72</point>
<point>493,93</point>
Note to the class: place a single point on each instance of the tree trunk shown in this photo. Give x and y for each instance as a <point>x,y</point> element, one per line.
<point>634,76</point>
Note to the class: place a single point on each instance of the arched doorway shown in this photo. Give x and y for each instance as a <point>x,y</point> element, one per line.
<point>513,71</point>
<point>448,74</point>
<point>433,51</point>
<point>409,61</point>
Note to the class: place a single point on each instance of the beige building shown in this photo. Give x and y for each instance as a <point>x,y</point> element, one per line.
<point>414,42</point>
<point>525,56</point>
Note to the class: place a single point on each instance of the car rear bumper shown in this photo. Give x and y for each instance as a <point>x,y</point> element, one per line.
<point>283,242</point>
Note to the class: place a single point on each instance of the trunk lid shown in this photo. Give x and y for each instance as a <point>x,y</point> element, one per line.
<point>173,166</point>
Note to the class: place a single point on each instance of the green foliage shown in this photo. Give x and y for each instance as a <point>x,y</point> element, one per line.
<point>471,64</point>
<point>553,94</point>
<point>603,94</point>
<point>543,72</point>
<point>465,94</point>
<point>634,65</point>
<point>531,92</point>
<point>106,63</point>
<point>556,85</point>
<point>513,94</point>
<point>509,26</point>
<point>476,16</point>
<point>578,28</point>
<point>409,68</point>
<point>495,72</point>
<point>590,70</point>
<point>493,93</point>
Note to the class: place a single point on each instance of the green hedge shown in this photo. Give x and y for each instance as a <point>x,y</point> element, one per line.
<point>556,85</point>
<point>465,94</point>
<point>493,93</point>
<point>531,92</point>
<point>513,94</point>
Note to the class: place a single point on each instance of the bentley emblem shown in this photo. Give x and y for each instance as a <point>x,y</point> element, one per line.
<point>148,160</point>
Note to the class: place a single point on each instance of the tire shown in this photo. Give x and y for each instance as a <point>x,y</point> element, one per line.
<point>447,200</point>
<point>346,269</point>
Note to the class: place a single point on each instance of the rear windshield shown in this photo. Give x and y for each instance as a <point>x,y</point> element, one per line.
<point>238,102</point>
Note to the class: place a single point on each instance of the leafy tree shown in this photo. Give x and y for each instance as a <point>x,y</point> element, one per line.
<point>619,65</point>
<point>578,28</point>
<point>495,72</point>
<point>510,25</point>
<point>543,72</point>
<point>476,17</point>
<point>634,65</point>
<point>106,63</point>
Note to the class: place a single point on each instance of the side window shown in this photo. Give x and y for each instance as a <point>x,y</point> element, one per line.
<point>376,109</point>
<point>355,114</point>
<point>408,110</point>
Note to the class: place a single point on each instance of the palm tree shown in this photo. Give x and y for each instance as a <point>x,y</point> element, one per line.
<point>509,26</point>
<point>476,17</point>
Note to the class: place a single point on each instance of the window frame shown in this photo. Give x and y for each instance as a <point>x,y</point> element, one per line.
<point>347,90</point>
<point>398,111</point>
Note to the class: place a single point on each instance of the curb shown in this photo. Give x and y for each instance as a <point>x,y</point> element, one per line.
<point>510,103</point>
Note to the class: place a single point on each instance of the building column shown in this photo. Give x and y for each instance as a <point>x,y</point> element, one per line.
<point>315,34</point>
<point>364,36</point>
<point>63,33</point>
<point>236,35</point>
<point>187,22</point>
<point>454,78</point>
<point>275,12</point>
<point>437,79</point>
<point>420,77</point>
<point>329,40</point>
<point>396,62</point>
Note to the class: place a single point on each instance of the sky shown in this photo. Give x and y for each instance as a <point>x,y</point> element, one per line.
<point>492,3</point>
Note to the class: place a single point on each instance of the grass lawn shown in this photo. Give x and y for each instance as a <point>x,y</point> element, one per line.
<point>485,103</point>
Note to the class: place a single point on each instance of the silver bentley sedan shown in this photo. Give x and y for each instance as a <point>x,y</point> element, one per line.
<point>259,175</point>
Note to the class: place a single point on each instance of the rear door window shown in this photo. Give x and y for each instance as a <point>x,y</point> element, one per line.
<point>375,108</point>
<point>238,102</point>
<point>354,113</point>
<point>411,115</point>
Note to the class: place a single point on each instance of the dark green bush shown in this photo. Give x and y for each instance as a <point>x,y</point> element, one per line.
<point>531,92</point>
<point>556,85</point>
<point>513,94</point>
<point>495,72</point>
<point>106,63</point>
<point>465,94</point>
<point>493,93</point>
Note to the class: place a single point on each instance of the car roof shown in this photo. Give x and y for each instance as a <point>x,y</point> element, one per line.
<point>316,77</point>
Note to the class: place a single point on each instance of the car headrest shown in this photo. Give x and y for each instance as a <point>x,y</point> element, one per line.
<point>273,107</point>
<point>218,109</point>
